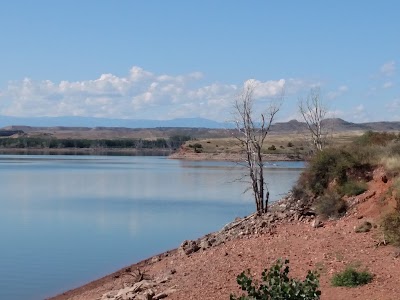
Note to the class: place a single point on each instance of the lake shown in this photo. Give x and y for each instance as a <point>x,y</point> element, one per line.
<point>67,220</point>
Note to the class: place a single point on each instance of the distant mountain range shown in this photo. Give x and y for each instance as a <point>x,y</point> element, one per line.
<point>291,126</point>
<point>338,125</point>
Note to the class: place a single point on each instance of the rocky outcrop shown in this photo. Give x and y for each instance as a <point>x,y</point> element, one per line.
<point>145,289</point>
<point>285,210</point>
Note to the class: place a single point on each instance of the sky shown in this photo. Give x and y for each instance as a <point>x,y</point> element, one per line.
<point>173,59</point>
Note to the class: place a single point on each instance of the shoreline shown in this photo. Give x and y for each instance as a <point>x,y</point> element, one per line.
<point>85,151</point>
<point>206,268</point>
<point>274,207</point>
<point>234,157</point>
<point>179,155</point>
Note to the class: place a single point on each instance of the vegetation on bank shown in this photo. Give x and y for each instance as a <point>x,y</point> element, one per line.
<point>173,142</point>
<point>391,222</point>
<point>332,175</point>
<point>337,172</point>
<point>350,277</point>
<point>276,284</point>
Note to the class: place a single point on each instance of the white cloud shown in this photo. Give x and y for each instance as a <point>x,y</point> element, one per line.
<point>393,105</point>
<point>266,89</point>
<point>334,114</point>
<point>359,108</point>
<point>141,94</point>
<point>337,93</point>
<point>356,114</point>
<point>387,85</point>
<point>389,68</point>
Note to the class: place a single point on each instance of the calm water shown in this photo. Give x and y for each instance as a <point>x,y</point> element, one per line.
<point>66,220</point>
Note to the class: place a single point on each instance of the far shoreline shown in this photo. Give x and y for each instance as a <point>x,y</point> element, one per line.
<point>234,157</point>
<point>178,155</point>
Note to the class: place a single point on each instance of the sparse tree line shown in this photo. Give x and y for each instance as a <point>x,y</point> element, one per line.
<point>253,128</point>
<point>172,142</point>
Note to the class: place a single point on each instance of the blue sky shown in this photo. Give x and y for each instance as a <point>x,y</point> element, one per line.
<point>167,59</point>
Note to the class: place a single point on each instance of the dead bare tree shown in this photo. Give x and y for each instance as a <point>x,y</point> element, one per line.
<point>251,135</point>
<point>313,111</point>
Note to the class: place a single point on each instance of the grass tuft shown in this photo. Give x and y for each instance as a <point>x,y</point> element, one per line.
<point>351,278</point>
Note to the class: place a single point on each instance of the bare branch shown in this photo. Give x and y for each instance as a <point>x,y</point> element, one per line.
<point>252,135</point>
<point>313,111</point>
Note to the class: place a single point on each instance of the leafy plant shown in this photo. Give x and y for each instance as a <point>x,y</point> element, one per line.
<point>351,278</point>
<point>276,285</point>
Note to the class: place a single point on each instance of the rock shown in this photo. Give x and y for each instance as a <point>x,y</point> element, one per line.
<point>142,285</point>
<point>109,295</point>
<point>164,294</point>
<point>170,290</point>
<point>282,215</point>
<point>161,295</point>
<point>204,244</point>
<point>155,259</point>
<point>189,247</point>
<point>125,294</point>
<point>163,279</point>
<point>149,294</point>
<point>317,223</point>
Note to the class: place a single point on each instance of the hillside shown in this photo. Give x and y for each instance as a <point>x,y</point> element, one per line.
<point>192,127</point>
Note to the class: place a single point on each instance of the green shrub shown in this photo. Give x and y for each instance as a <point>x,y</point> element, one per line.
<point>197,145</point>
<point>276,284</point>
<point>375,138</point>
<point>364,227</point>
<point>351,278</point>
<point>272,148</point>
<point>330,205</point>
<point>391,227</point>
<point>290,144</point>
<point>391,164</point>
<point>326,166</point>
<point>353,188</point>
<point>299,193</point>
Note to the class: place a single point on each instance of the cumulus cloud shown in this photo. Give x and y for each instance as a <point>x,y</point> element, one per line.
<point>337,93</point>
<point>393,105</point>
<point>389,68</point>
<point>356,114</point>
<point>140,94</point>
<point>266,89</point>
<point>387,85</point>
